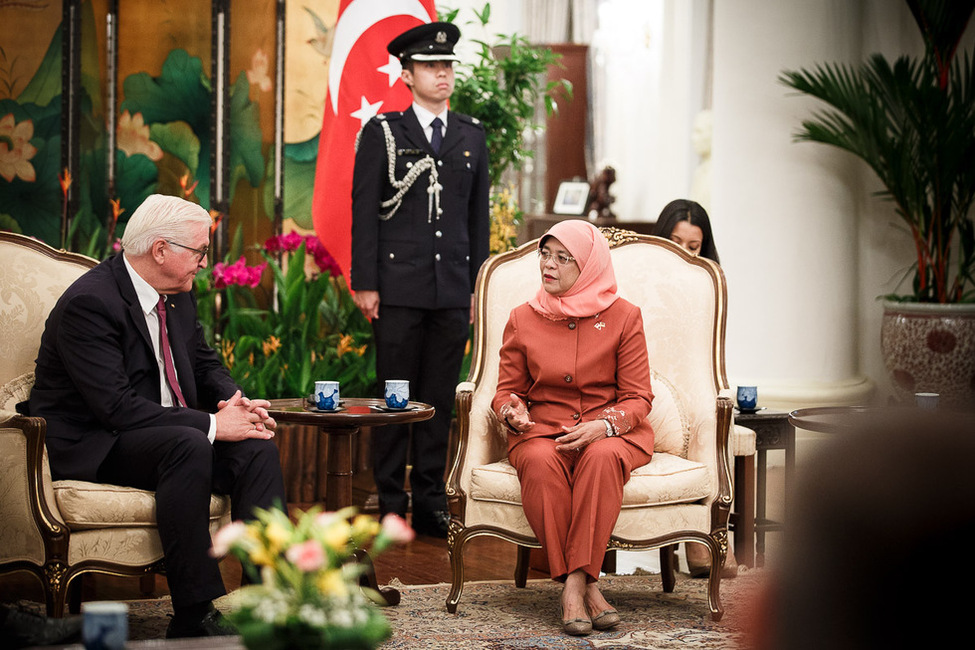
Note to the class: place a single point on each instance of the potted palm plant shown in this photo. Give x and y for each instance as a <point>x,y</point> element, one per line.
<point>913,122</point>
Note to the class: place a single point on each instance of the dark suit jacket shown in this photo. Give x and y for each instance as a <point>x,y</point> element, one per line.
<point>413,263</point>
<point>97,376</point>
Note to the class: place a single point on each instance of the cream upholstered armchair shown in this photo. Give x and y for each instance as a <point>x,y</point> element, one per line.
<point>684,494</point>
<point>58,530</point>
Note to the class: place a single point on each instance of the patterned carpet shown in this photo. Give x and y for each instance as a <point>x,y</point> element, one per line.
<point>499,616</point>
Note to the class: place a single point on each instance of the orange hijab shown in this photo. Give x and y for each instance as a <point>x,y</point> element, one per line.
<point>595,288</point>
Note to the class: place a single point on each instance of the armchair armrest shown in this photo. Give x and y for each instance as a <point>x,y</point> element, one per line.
<point>31,514</point>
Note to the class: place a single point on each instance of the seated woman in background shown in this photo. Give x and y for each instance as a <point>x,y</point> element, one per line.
<point>686,223</point>
<point>574,393</point>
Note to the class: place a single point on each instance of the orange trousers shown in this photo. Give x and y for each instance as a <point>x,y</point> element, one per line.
<point>572,500</point>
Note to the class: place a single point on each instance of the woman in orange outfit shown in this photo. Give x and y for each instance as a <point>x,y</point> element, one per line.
<point>574,392</point>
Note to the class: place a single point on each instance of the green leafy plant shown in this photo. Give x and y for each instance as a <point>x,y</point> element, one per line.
<point>278,343</point>
<point>502,89</point>
<point>309,595</point>
<point>913,123</point>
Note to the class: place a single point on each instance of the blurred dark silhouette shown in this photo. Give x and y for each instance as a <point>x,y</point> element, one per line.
<point>874,553</point>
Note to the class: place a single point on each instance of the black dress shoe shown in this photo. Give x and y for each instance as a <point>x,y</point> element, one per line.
<point>434,524</point>
<point>20,629</point>
<point>213,624</point>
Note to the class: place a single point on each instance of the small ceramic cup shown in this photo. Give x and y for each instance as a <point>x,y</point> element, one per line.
<point>747,398</point>
<point>105,625</point>
<point>397,393</point>
<point>327,395</point>
<point>926,401</point>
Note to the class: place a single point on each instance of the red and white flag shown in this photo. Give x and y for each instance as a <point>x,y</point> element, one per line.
<point>363,80</point>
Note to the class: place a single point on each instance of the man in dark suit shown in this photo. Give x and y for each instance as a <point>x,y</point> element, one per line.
<point>420,228</point>
<point>134,396</point>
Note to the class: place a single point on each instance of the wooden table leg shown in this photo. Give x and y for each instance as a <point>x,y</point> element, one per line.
<point>338,471</point>
<point>760,511</point>
<point>338,494</point>
<point>745,510</point>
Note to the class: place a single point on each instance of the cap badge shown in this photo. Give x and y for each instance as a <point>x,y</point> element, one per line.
<point>441,37</point>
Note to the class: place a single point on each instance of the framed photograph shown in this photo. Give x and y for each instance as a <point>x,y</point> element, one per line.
<point>572,197</point>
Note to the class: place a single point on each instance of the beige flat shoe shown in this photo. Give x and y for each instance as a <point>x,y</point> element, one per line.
<point>575,626</point>
<point>606,619</point>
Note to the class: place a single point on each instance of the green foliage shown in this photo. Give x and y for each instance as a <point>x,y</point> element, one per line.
<point>913,123</point>
<point>307,328</point>
<point>502,89</point>
<point>176,107</point>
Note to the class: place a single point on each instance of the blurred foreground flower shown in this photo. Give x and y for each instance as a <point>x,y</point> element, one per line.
<point>310,595</point>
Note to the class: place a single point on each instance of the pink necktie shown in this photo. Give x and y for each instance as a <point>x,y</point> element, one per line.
<point>167,352</point>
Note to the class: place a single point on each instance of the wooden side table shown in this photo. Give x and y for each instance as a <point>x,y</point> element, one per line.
<point>340,427</point>
<point>772,431</point>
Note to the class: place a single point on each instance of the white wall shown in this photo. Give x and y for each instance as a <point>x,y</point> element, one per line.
<point>785,213</point>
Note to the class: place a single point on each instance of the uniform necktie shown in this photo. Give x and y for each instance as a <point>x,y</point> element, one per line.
<point>436,139</point>
<point>167,353</point>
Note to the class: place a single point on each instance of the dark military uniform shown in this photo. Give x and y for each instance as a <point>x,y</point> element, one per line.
<point>423,260</point>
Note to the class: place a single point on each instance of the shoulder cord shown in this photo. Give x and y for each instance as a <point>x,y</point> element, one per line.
<point>402,186</point>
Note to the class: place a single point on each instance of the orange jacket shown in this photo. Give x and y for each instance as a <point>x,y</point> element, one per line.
<point>578,370</point>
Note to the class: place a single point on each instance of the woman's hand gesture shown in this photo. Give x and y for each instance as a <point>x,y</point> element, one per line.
<point>515,413</point>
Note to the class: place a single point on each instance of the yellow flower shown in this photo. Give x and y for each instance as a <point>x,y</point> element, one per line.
<point>337,534</point>
<point>227,352</point>
<point>277,536</point>
<point>271,345</point>
<point>364,526</point>
<point>332,583</point>
<point>504,220</point>
<point>345,345</point>
<point>261,557</point>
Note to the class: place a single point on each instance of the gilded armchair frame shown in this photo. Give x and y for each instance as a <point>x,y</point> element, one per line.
<point>491,448</point>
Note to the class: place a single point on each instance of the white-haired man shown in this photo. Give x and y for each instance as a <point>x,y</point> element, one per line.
<point>134,396</point>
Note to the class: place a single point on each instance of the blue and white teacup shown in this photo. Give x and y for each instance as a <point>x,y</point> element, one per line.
<point>105,625</point>
<point>397,393</point>
<point>747,398</point>
<point>327,395</point>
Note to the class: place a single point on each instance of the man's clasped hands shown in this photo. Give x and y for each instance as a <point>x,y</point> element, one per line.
<point>239,418</point>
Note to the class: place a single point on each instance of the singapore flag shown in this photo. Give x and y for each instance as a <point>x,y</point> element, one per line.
<point>363,80</point>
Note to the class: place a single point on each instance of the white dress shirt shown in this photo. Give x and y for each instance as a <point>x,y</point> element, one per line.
<point>148,298</point>
<point>426,118</point>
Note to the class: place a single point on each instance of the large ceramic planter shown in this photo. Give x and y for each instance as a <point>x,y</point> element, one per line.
<point>930,348</point>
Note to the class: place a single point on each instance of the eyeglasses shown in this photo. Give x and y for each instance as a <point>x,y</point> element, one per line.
<point>201,252</point>
<point>560,258</point>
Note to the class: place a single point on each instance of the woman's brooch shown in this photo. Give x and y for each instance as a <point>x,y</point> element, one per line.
<point>600,325</point>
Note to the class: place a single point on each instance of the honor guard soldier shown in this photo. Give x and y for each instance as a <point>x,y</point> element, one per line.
<point>420,229</point>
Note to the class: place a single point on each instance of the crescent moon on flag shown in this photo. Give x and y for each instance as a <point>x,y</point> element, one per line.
<point>356,19</point>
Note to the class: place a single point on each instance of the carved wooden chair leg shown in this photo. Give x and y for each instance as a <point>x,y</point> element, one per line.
<point>609,562</point>
<point>668,565</point>
<point>521,566</point>
<point>455,554</point>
